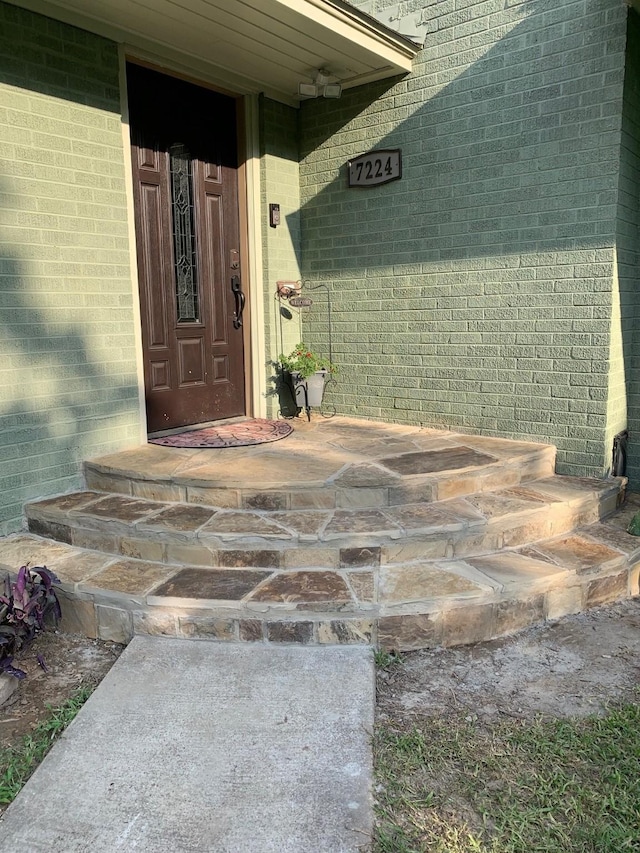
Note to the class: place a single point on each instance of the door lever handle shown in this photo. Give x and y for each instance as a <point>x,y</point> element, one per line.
<point>236,289</point>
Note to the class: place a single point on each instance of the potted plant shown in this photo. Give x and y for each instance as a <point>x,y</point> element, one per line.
<point>308,372</point>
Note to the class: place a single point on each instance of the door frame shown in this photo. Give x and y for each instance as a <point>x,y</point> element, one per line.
<point>249,225</point>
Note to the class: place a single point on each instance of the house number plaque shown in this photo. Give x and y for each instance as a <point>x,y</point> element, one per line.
<point>375,168</point>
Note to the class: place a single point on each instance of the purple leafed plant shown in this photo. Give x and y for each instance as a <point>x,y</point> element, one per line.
<point>25,605</point>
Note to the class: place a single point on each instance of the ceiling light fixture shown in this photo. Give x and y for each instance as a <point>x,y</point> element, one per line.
<point>320,86</point>
<point>308,90</point>
<point>332,90</point>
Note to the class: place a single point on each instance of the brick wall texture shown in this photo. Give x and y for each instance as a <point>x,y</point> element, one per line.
<point>479,291</point>
<point>68,386</point>
<point>628,241</point>
<point>493,289</point>
<point>280,184</point>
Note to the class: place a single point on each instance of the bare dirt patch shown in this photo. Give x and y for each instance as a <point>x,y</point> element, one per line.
<point>72,661</point>
<point>520,744</point>
<point>572,667</point>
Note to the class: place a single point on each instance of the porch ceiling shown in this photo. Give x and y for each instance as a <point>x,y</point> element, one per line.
<point>246,46</point>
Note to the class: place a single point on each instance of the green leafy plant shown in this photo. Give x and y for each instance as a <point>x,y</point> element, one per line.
<point>25,605</point>
<point>634,525</point>
<point>384,659</point>
<point>305,362</point>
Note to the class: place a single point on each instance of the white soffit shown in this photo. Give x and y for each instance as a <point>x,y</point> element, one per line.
<point>245,46</point>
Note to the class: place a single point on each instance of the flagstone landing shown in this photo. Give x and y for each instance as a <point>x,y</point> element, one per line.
<point>346,532</point>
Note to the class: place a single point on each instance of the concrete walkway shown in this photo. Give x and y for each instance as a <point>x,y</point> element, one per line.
<point>191,746</point>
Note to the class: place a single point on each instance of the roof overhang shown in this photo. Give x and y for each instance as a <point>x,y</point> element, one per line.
<point>245,46</point>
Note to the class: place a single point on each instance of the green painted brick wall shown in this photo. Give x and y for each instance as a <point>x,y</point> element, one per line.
<point>628,242</point>
<point>477,292</point>
<point>280,184</point>
<point>68,386</point>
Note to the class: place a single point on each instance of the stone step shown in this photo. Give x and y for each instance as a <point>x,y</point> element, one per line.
<point>332,464</point>
<point>419,603</point>
<point>180,533</point>
<point>346,532</point>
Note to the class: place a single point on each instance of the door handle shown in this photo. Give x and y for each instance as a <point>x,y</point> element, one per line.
<point>236,289</point>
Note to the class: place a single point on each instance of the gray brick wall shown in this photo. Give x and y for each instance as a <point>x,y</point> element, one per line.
<point>68,385</point>
<point>628,242</point>
<point>476,292</point>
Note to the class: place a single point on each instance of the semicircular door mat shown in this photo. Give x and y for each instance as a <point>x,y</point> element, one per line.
<point>239,434</point>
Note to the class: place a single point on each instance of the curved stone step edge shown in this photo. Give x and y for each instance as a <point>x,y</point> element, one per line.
<point>531,465</point>
<point>82,592</point>
<point>362,590</point>
<point>451,620</point>
<point>506,574</point>
<point>600,543</point>
<point>463,625</point>
<point>536,522</point>
<point>132,582</point>
<point>457,624</point>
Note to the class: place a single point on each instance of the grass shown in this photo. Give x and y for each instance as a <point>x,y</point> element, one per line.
<point>458,786</point>
<point>18,763</point>
<point>385,660</point>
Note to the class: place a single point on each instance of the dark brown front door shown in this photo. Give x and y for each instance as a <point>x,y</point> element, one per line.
<point>184,152</point>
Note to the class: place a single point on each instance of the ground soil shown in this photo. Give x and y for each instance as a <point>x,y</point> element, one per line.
<point>71,661</point>
<point>572,667</point>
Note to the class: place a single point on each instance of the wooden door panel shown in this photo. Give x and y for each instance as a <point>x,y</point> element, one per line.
<point>160,376</point>
<point>185,193</point>
<point>212,172</point>
<point>221,368</point>
<point>191,361</point>
<point>213,262</point>
<point>153,254</point>
<point>148,159</point>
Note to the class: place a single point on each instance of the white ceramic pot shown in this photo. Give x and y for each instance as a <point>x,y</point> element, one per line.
<point>309,391</point>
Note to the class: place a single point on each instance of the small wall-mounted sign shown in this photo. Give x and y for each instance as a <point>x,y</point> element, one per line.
<point>301,301</point>
<point>375,168</point>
